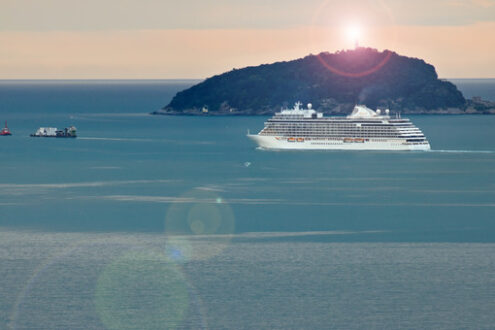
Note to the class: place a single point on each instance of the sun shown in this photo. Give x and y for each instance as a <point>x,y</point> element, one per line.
<point>353,33</point>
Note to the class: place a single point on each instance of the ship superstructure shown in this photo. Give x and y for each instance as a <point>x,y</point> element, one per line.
<point>68,132</point>
<point>363,129</point>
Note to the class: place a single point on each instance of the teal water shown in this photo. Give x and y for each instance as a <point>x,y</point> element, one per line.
<point>484,88</point>
<point>90,227</point>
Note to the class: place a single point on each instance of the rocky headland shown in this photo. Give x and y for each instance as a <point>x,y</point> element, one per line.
<point>333,83</point>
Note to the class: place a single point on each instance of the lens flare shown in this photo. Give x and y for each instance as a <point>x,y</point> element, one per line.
<point>199,229</point>
<point>138,287</point>
<point>326,19</point>
<point>354,33</point>
<point>27,310</point>
<point>178,249</point>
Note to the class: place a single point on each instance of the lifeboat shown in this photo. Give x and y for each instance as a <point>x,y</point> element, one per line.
<point>353,140</point>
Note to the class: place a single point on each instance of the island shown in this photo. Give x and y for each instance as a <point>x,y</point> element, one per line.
<point>333,83</point>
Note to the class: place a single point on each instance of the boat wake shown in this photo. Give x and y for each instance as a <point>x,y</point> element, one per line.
<point>115,139</point>
<point>465,151</point>
<point>147,140</point>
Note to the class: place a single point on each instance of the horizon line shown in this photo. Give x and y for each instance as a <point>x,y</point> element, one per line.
<point>168,79</point>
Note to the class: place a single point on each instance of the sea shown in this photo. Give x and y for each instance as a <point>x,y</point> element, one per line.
<point>180,222</point>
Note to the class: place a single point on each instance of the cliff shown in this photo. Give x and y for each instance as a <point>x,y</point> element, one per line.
<point>333,83</point>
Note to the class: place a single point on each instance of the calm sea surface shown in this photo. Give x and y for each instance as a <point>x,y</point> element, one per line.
<point>152,222</point>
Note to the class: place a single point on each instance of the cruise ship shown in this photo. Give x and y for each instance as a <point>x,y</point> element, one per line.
<point>363,129</point>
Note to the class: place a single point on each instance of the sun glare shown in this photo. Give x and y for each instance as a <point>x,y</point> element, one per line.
<point>353,33</point>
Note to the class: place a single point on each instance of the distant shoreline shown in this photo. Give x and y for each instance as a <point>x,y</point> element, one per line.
<point>455,112</point>
<point>474,106</point>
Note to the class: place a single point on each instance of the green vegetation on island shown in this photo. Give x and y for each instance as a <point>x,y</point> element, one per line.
<point>333,83</point>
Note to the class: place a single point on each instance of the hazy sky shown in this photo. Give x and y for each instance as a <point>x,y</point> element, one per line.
<point>199,38</point>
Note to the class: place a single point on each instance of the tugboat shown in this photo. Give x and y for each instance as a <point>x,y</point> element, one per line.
<point>5,131</point>
<point>69,132</point>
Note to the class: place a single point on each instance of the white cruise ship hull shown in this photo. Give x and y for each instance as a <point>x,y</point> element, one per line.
<point>284,143</point>
<point>363,129</point>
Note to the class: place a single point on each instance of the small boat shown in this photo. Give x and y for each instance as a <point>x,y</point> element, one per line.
<point>69,132</point>
<point>5,131</point>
